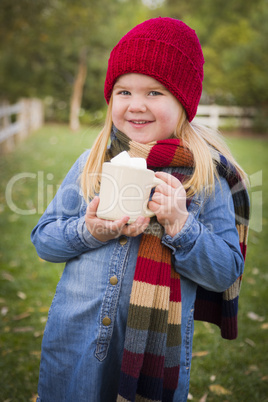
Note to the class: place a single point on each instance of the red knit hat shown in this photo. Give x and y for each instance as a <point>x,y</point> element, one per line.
<point>165,49</point>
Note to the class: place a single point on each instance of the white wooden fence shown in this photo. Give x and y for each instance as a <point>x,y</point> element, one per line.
<point>18,121</point>
<point>30,116</point>
<point>215,116</point>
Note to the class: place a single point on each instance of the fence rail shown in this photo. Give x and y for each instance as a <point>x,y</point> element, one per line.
<point>18,121</point>
<point>216,116</point>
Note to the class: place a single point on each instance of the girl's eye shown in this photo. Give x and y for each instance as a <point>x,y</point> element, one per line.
<point>124,93</point>
<point>155,93</point>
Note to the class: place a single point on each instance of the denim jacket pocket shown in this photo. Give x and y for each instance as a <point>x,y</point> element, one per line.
<point>117,265</point>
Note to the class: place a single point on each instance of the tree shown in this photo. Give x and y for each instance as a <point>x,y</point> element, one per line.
<point>233,35</point>
<point>78,86</point>
<point>43,41</point>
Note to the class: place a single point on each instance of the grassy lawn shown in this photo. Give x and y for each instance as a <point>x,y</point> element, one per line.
<point>221,370</point>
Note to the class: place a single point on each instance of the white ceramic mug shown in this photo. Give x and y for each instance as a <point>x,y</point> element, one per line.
<point>125,191</point>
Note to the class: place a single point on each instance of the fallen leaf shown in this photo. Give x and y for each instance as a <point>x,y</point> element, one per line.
<point>14,263</point>
<point>43,309</point>
<point>264,326</point>
<point>21,295</point>
<point>13,218</point>
<point>6,352</point>
<point>250,342</point>
<point>38,333</point>
<point>4,311</point>
<point>204,398</point>
<point>251,281</point>
<point>219,390</point>
<point>264,378</point>
<point>34,397</point>
<point>208,327</point>
<point>201,353</point>
<point>7,276</point>
<point>21,316</point>
<point>36,353</point>
<point>251,369</point>
<point>255,317</point>
<point>23,329</point>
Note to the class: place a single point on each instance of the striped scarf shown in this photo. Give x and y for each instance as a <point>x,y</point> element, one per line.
<point>151,357</point>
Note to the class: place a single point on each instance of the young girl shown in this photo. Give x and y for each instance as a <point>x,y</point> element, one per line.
<point>121,323</point>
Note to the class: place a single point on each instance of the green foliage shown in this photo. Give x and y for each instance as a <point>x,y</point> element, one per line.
<point>42,41</point>
<point>233,35</point>
<point>27,284</point>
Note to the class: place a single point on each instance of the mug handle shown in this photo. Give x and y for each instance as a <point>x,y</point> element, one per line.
<point>156,181</point>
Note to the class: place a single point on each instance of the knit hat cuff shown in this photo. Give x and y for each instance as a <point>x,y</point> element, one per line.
<point>141,55</point>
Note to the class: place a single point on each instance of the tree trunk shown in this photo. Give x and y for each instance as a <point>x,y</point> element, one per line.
<point>76,98</point>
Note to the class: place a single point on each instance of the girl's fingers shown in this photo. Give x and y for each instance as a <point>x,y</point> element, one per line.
<point>168,179</point>
<point>137,227</point>
<point>154,206</point>
<point>105,229</point>
<point>118,224</point>
<point>92,207</point>
<point>158,197</point>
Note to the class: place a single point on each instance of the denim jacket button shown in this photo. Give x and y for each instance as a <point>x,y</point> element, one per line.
<point>113,280</point>
<point>106,321</point>
<point>123,240</point>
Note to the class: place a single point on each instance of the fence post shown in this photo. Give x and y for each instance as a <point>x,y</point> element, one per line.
<point>36,114</point>
<point>29,117</point>
<point>9,143</point>
<point>23,119</point>
<point>214,117</point>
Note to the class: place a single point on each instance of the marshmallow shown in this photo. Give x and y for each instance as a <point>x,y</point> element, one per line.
<point>123,159</point>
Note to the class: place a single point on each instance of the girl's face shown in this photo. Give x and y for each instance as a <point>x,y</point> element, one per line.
<point>144,109</point>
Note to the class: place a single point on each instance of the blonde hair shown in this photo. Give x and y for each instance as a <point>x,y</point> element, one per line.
<point>90,177</point>
<point>204,143</point>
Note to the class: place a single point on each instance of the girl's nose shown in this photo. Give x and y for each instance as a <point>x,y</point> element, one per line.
<point>137,105</point>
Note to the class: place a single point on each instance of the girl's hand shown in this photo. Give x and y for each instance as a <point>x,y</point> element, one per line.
<point>105,230</point>
<point>169,203</point>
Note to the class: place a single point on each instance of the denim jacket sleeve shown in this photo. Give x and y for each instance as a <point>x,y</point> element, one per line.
<point>207,249</point>
<point>61,233</point>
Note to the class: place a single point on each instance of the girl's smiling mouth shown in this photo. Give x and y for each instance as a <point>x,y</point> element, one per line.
<point>139,122</point>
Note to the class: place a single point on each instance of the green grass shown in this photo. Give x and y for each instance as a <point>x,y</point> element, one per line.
<point>240,366</point>
<point>27,284</point>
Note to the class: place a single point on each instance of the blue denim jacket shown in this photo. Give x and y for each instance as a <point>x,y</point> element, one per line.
<point>81,354</point>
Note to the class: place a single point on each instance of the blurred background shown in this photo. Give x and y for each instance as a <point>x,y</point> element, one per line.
<point>57,50</point>
<point>53,60</point>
